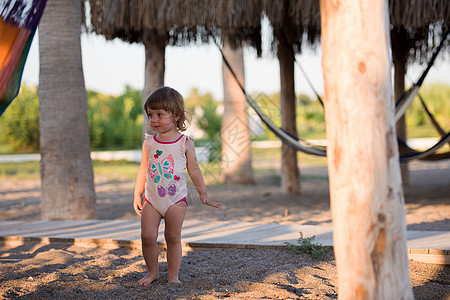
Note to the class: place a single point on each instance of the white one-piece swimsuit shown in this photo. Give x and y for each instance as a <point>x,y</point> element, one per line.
<point>166,179</point>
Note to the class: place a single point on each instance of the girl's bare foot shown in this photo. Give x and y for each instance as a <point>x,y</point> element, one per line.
<point>148,279</point>
<point>175,280</point>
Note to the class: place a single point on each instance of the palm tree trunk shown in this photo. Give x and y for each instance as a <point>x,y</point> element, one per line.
<point>155,53</point>
<point>236,151</point>
<point>66,167</point>
<point>290,174</point>
<point>365,184</point>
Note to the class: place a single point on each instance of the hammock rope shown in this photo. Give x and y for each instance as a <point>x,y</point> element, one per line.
<point>433,120</point>
<point>289,46</point>
<point>429,154</point>
<point>407,97</point>
<point>293,142</point>
<point>305,147</point>
<point>430,116</point>
<point>309,82</point>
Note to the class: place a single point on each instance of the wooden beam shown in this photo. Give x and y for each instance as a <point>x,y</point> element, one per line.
<point>367,200</point>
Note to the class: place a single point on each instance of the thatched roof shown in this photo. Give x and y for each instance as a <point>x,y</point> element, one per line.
<point>294,21</point>
<point>423,21</point>
<point>418,26</point>
<point>182,21</point>
<point>237,21</point>
<point>419,13</point>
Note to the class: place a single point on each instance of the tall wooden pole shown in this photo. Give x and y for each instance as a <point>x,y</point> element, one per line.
<point>400,49</point>
<point>400,126</point>
<point>155,67</point>
<point>290,173</point>
<point>235,133</point>
<point>367,200</point>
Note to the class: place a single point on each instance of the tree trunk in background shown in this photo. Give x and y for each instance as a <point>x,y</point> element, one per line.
<point>66,167</point>
<point>290,174</point>
<point>155,52</point>
<point>367,200</point>
<point>400,49</point>
<point>235,134</point>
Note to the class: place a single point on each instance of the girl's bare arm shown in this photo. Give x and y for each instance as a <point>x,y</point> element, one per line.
<point>140,181</point>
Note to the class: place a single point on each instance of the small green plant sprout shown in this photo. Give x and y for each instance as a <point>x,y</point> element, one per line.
<point>306,246</point>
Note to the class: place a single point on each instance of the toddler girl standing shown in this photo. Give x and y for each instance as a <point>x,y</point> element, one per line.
<point>162,180</point>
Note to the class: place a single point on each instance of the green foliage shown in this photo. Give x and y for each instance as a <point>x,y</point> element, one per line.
<point>310,115</point>
<point>115,121</point>
<point>208,121</point>
<point>21,170</point>
<point>270,106</point>
<point>20,122</point>
<point>436,98</point>
<point>115,170</point>
<point>111,170</point>
<point>306,246</point>
<point>310,118</point>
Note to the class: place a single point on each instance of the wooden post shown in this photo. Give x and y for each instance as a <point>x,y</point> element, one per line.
<point>400,126</point>
<point>367,200</point>
<point>400,49</point>
<point>290,173</point>
<point>235,133</point>
<point>155,53</point>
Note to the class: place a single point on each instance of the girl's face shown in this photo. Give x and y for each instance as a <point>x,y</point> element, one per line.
<point>161,120</point>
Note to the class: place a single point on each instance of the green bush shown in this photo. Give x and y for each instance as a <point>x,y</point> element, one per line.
<point>20,122</point>
<point>115,122</point>
<point>307,246</point>
<point>210,122</point>
<point>310,120</point>
<point>436,97</point>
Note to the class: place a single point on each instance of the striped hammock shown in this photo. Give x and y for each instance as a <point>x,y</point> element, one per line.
<point>18,22</point>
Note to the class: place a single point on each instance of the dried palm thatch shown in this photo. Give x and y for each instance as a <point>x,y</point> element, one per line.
<point>418,26</point>
<point>294,22</point>
<point>425,21</point>
<point>418,13</point>
<point>181,21</point>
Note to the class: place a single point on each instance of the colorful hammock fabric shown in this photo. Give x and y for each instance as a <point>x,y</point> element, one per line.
<point>18,22</point>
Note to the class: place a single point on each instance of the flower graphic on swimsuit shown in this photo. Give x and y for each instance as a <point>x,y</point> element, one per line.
<point>158,153</point>
<point>163,170</point>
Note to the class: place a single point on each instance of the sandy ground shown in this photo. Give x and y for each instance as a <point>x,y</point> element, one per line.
<point>37,271</point>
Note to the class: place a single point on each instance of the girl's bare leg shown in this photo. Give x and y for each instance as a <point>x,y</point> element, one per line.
<point>150,220</point>
<point>174,221</point>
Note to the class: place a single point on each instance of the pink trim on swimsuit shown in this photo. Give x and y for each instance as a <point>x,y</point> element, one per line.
<point>183,199</point>
<point>158,141</point>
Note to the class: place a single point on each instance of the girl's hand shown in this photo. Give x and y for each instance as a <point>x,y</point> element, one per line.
<point>205,200</point>
<point>137,205</point>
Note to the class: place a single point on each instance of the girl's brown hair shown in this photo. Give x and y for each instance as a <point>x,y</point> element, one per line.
<point>170,100</point>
